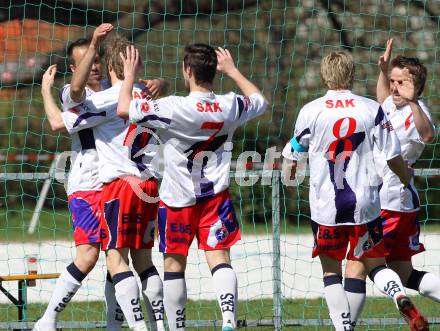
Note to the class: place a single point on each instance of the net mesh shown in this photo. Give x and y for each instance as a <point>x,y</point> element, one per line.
<point>278,44</point>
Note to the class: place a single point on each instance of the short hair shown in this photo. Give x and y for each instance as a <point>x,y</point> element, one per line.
<point>116,44</point>
<point>415,67</point>
<point>337,70</point>
<point>202,60</point>
<point>81,42</point>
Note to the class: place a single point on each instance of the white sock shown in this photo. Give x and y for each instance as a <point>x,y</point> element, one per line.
<point>115,316</point>
<point>356,293</point>
<point>127,295</point>
<point>426,283</point>
<point>337,303</point>
<point>225,284</point>
<point>65,288</point>
<point>388,282</point>
<point>174,290</point>
<point>152,291</point>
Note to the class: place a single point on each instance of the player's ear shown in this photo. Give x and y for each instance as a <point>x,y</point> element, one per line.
<point>188,71</point>
<point>72,67</point>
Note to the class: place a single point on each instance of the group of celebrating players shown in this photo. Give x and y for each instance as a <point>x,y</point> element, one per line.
<point>117,125</point>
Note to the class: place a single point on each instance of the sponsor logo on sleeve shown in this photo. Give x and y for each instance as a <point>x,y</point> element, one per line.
<point>155,106</point>
<point>145,108</point>
<point>387,126</point>
<point>247,102</point>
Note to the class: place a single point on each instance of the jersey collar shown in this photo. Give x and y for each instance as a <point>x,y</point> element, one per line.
<point>198,94</point>
<point>332,93</point>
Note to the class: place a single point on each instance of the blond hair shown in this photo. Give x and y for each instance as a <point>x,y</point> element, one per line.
<point>337,71</point>
<point>114,45</point>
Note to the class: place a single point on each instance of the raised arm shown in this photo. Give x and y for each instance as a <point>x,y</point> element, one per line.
<point>398,166</point>
<point>52,111</point>
<point>130,68</point>
<point>386,141</point>
<point>383,83</point>
<point>423,124</point>
<point>227,66</point>
<point>82,71</point>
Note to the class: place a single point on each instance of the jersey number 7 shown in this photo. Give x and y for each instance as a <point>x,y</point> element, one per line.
<point>213,143</point>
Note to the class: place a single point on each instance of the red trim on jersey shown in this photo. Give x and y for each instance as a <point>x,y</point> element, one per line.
<point>131,127</point>
<point>408,121</point>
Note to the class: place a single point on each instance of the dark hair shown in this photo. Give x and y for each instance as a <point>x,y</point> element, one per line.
<point>113,46</point>
<point>202,60</point>
<point>415,67</point>
<point>81,42</point>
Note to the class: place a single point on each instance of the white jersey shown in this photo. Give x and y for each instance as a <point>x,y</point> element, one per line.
<point>393,195</point>
<point>83,174</point>
<point>339,131</point>
<point>196,132</point>
<point>123,149</point>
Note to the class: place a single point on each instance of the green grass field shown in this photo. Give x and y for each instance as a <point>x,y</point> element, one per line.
<point>255,310</point>
<point>56,225</point>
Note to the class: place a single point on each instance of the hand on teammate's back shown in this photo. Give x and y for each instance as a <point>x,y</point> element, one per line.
<point>48,78</point>
<point>153,86</point>
<point>225,63</point>
<point>384,59</point>
<point>131,62</point>
<point>100,33</point>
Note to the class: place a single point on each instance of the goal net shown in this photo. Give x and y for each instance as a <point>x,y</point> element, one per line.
<point>279,45</point>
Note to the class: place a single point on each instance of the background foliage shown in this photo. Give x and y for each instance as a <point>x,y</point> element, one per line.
<point>278,44</point>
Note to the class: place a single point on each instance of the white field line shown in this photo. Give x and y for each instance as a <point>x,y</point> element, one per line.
<point>301,275</point>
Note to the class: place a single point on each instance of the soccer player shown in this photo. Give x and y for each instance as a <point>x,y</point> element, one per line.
<point>399,92</point>
<point>84,186</point>
<point>339,131</point>
<point>127,174</point>
<point>114,313</point>
<point>196,131</point>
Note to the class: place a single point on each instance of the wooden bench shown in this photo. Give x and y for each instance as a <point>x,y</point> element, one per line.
<point>23,283</point>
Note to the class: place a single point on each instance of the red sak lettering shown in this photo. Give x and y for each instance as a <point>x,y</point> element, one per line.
<point>208,107</point>
<point>339,103</point>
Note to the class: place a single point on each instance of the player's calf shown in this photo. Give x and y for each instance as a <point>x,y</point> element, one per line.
<point>337,303</point>
<point>115,316</point>
<point>426,283</point>
<point>175,297</point>
<point>152,287</point>
<point>355,290</point>
<point>66,287</point>
<point>152,291</point>
<point>388,282</point>
<point>225,283</point>
<point>127,295</point>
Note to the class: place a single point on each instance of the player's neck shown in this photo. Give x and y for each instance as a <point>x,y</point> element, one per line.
<point>96,87</point>
<point>205,87</point>
<point>113,79</point>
